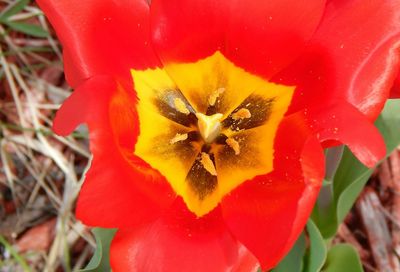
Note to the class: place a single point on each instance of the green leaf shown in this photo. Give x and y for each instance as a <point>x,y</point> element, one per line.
<point>30,29</point>
<point>324,211</point>
<point>316,254</point>
<point>389,124</point>
<point>13,9</point>
<point>333,157</point>
<point>19,259</point>
<point>337,198</point>
<point>293,261</point>
<point>342,257</point>
<point>100,261</point>
<point>348,184</point>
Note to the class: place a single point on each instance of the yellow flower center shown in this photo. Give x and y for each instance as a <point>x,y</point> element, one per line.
<point>210,128</point>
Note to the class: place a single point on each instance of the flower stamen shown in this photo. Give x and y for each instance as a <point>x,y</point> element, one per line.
<point>181,106</point>
<point>179,138</point>
<point>232,143</point>
<point>241,114</point>
<point>215,95</point>
<point>208,163</point>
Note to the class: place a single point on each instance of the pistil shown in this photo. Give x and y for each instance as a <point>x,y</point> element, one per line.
<point>209,126</point>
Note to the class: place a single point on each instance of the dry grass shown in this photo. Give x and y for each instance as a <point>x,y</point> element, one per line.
<point>40,173</point>
<point>373,225</point>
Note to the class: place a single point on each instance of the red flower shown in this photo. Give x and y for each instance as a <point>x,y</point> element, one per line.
<point>206,118</point>
<point>395,93</point>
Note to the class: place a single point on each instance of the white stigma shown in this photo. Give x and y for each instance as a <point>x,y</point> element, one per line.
<point>209,126</point>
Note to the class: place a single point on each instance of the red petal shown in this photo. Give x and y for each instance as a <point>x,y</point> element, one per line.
<point>344,123</point>
<point>395,93</point>
<point>186,30</point>
<point>180,241</point>
<point>352,56</point>
<point>119,189</point>
<point>263,37</point>
<point>101,37</point>
<point>268,213</point>
<point>260,36</point>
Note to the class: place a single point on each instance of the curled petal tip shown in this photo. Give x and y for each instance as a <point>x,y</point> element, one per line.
<point>343,123</point>
<point>370,157</point>
<point>69,116</point>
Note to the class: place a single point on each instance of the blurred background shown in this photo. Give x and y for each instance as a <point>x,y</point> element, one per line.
<point>41,173</point>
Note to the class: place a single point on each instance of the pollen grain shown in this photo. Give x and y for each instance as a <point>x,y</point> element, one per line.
<point>181,106</point>
<point>215,95</point>
<point>208,164</point>
<point>241,114</point>
<point>179,138</point>
<point>232,143</point>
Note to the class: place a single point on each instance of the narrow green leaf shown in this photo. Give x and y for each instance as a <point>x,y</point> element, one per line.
<point>324,211</point>
<point>13,9</point>
<point>316,255</point>
<point>19,259</point>
<point>293,261</point>
<point>349,194</point>
<point>100,261</point>
<point>333,157</point>
<point>342,257</point>
<point>389,124</point>
<point>30,29</point>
